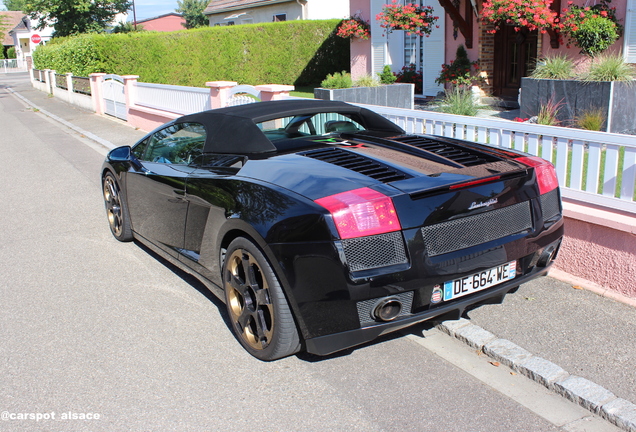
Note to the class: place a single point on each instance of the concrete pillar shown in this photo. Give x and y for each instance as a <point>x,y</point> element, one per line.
<point>130,90</point>
<point>97,79</point>
<point>271,92</point>
<point>219,92</point>
<point>69,83</point>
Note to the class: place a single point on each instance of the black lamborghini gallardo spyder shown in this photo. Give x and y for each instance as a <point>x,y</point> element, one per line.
<point>323,225</point>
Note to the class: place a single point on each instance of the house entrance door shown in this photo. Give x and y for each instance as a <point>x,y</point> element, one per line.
<point>515,56</point>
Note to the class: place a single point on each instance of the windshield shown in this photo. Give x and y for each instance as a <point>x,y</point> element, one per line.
<point>308,125</point>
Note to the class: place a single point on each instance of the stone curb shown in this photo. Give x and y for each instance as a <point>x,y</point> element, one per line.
<point>69,125</point>
<point>587,394</point>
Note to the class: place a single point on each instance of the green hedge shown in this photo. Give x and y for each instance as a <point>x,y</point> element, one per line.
<point>293,52</point>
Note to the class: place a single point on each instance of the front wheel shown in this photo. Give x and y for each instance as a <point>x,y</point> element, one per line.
<point>259,313</point>
<point>116,210</point>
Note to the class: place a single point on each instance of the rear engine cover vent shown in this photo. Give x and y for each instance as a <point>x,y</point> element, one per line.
<point>456,153</point>
<point>358,163</point>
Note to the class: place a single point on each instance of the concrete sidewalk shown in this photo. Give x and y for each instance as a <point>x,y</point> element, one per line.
<point>572,340</point>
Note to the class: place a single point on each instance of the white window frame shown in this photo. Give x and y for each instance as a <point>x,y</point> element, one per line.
<point>629,36</point>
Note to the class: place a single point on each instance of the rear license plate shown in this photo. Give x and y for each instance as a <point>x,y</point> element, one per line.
<point>479,281</point>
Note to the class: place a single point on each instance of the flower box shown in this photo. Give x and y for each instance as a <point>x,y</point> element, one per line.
<point>616,98</point>
<point>392,95</point>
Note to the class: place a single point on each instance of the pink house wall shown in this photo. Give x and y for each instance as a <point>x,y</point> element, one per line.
<point>360,53</point>
<point>163,24</point>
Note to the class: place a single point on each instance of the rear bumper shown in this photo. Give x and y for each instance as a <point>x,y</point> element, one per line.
<point>328,344</point>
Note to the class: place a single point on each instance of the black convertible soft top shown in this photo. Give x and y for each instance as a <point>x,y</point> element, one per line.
<point>233,130</point>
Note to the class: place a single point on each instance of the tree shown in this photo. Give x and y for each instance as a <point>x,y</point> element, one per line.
<point>126,27</point>
<point>69,17</point>
<point>15,5</point>
<point>192,11</point>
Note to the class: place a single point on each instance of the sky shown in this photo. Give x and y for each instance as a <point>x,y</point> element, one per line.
<point>152,8</point>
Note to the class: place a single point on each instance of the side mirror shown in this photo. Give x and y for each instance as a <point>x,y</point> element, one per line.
<point>120,154</point>
<point>124,154</point>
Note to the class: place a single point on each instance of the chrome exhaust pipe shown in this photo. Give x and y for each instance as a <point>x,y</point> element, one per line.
<point>547,255</point>
<point>387,309</point>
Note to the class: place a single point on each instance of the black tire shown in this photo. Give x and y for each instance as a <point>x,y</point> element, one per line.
<point>116,211</point>
<point>259,313</point>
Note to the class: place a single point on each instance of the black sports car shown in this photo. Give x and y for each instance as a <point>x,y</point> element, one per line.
<point>323,225</point>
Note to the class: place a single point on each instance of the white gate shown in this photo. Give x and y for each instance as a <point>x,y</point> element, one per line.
<point>243,94</point>
<point>114,96</point>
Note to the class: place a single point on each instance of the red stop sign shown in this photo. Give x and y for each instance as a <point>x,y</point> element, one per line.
<point>36,39</point>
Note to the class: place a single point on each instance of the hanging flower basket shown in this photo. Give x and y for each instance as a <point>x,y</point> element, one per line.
<point>411,18</point>
<point>354,27</point>
<point>530,14</point>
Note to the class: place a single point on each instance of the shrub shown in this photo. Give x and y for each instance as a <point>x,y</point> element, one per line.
<point>337,80</point>
<point>367,81</point>
<point>408,74</point>
<point>610,68</point>
<point>459,71</point>
<point>591,119</point>
<point>591,28</point>
<point>291,52</point>
<point>11,53</point>
<point>557,66</point>
<point>387,76</point>
<point>459,101</point>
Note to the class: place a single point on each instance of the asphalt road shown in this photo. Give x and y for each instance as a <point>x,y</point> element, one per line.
<point>90,327</point>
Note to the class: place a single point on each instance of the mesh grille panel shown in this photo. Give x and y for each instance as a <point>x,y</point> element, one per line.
<point>365,308</point>
<point>370,252</point>
<point>550,204</point>
<point>461,233</point>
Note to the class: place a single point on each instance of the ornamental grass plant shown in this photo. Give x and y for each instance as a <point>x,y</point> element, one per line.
<point>367,81</point>
<point>610,67</point>
<point>557,66</point>
<point>591,119</point>
<point>548,113</point>
<point>459,101</point>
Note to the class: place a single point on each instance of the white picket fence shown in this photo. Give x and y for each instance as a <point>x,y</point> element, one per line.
<point>594,167</point>
<point>176,99</point>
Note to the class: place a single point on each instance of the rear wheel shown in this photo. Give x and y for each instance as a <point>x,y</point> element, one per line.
<point>116,210</point>
<point>259,313</point>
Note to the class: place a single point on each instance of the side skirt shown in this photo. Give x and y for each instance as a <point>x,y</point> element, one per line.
<point>214,288</point>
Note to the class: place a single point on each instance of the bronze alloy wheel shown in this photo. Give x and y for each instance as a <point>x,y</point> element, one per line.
<point>249,300</point>
<point>259,313</point>
<point>113,205</point>
<point>116,210</point>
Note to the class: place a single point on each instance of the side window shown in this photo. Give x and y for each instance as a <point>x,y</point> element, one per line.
<point>139,150</point>
<point>179,144</point>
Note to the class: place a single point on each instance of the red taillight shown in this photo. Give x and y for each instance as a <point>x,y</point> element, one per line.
<point>546,174</point>
<point>361,212</point>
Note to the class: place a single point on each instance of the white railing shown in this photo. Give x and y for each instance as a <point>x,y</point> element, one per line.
<point>595,167</point>
<point>12,65</point>
<point>243,94</point>
<point>176,99</point>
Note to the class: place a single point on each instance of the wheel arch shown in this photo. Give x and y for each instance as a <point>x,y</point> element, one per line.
<point>239,228</point>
